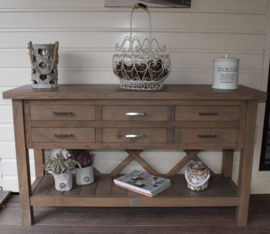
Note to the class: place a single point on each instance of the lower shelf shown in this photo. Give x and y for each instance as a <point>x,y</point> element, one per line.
<point>104,193</point>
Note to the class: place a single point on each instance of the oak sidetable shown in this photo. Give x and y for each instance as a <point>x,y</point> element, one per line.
<point>184,117</point>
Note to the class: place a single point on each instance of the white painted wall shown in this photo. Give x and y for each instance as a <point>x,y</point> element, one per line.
<point>87,33</point>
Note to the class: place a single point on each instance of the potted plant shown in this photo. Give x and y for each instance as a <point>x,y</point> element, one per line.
<point>84,168</point>
<point>61,169</point>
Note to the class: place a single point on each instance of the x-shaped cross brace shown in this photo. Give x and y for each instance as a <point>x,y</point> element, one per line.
<point>135,155</point>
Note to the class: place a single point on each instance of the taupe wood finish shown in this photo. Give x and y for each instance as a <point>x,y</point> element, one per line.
<point>150,113</point>
<point>138,124</point>
<point>184,92</point>
<point>203,135</point>
<point>171,122</point>
<point>245,166</point>
<point>138,146</point>
<point>122,165</point>
<point>149,135</point>
<point>227,163</point>
<point>63,135</point>
<point>96,172</point>
<point>135,155</point>
<point>39,161</point>
<point>23,166</point>
<point>182,163</point>
<point>27,123</point>
<point>207,113</point>
<point>4,195</point>
<point>139,102</point>
<point>104,193</point>
<point>63,112</point>
<point>130,220</point>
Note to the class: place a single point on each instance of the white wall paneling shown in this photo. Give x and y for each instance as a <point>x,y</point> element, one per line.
<point>87,32</point>
<point>95,38</point>
<point>82,5</point>
<point>97,76</point>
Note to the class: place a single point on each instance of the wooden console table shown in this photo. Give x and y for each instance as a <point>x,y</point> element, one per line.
<point>188,117</point>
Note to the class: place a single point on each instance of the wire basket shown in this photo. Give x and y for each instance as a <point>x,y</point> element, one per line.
<point>140,66</point>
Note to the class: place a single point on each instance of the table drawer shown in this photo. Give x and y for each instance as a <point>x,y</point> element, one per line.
<point>63,112</point>
<point>51,135</point>
<point>206,135</point>
<point>207,113</point>
<point>137,113</point>
<point>144,135</point>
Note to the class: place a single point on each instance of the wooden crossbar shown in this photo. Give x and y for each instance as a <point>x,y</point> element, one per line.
<point>190,155</point>
<point>133,155</point>
<point>121,166</point>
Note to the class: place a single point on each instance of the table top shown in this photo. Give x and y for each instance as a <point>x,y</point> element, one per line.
<point>172,92</point>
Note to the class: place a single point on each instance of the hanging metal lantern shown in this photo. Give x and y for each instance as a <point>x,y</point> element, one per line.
<point>44,60</point>
<point>141,66</point>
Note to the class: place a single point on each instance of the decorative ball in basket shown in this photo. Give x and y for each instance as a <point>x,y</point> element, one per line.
<point>44,60</point>
<point>197,175</point>
<point>141,66</point>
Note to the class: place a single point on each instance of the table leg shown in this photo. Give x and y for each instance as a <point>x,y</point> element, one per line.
<point>245,165</point>
<point>227,163</point>
<point>23,166</point>
<point>39,161</point>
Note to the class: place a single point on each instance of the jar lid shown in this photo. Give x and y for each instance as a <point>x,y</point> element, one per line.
<point>227,59</point>
<point>197,165</point>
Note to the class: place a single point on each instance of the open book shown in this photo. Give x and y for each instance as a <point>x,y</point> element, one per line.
<point>143,183</point>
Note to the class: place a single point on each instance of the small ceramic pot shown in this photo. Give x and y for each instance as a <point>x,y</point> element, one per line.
<point>84,175</point>
<point>63,182</point>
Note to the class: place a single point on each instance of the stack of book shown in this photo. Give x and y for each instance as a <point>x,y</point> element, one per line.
<point>143,183</point>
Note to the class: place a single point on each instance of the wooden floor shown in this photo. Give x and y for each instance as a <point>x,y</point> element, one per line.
<point>136,220</point>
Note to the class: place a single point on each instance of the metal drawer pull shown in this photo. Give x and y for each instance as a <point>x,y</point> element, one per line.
<point>210,113</point>
<point>135,136</point>
<point>58,136</point>
<point>135,113</point>
<point>207,136</point>
<point>62,113</point>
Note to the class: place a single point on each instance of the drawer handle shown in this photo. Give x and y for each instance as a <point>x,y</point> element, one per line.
<point>135,113</point>
<point>135,136</point>
<point>207,114</point>
<point>58,136</point>
<point>62,113</point>
<point>207,136</point>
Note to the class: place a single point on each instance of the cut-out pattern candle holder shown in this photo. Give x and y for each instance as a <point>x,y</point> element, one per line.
<point>44,60</point>
<point>140,66</point>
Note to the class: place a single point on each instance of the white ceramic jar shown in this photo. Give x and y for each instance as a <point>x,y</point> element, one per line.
<point>84,175</point>
<point>226,73</point>
<point>63,182</point>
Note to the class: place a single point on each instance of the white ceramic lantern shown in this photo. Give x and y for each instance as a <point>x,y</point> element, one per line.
<point>226,73</point>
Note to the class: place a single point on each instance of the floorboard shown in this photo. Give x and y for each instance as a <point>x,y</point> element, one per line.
<point>136,220</point>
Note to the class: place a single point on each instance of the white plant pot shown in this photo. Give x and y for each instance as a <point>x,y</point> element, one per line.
<point>84,175</point>
<point>63,182</point>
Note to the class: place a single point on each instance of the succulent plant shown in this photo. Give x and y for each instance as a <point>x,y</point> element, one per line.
<point>84,157</point>
<point>59,164</point>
